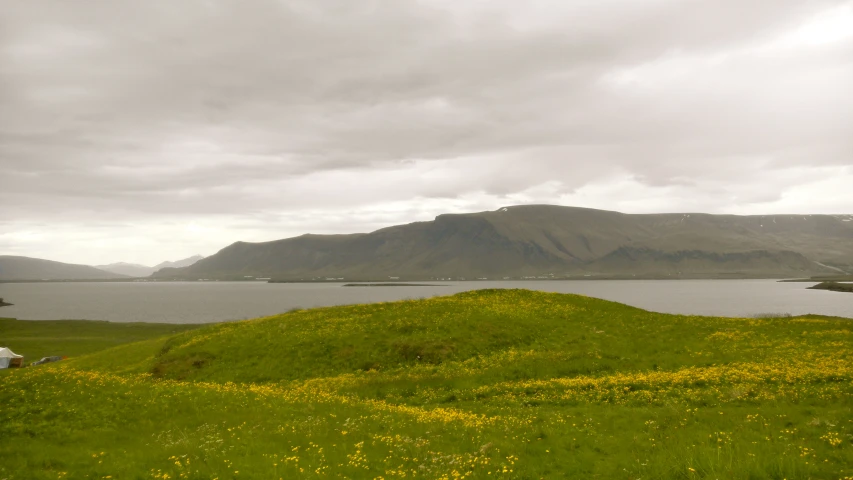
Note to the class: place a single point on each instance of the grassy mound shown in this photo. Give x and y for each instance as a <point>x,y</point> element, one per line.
<point>588,334</point>
<point>330,341</point>
<point>494,383</point>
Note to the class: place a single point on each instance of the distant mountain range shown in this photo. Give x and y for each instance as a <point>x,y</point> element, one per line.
<point>137,270</point>
<point>551,241</point>
<point>28,269</point>
<point>515,242</point>
<point>25,268</point>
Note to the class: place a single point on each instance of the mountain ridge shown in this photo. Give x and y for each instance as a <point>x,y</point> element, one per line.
<point>14,267</point>
<point>129,269</point>
<point>535,240</point>
<point>138,270</point>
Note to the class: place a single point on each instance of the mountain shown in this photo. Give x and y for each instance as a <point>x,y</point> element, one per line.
<point>179,263</point>
<point>26,268</point>
<point>129,269</point>
<point>137,270</point>
<point>544,240</point>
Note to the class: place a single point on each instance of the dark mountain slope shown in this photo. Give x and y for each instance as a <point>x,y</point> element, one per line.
<point>541,239</point>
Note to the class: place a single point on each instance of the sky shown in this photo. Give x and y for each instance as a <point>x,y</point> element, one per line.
<point>144,131</point>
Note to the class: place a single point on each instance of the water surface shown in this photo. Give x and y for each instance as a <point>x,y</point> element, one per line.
<point>202,302</point>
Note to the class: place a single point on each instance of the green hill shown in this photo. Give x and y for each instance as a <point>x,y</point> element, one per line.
<point>507,384</point>
<point>539,240</point>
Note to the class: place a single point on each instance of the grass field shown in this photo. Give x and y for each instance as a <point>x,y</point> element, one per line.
<point>508,384</point>
<point>42,338</point>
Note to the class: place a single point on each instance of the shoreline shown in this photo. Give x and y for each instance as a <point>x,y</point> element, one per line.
<point>447,279</point>
<point>497,278</point>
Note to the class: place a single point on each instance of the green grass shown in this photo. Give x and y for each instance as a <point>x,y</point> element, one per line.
<point>491,384</point>
<point>35,339</point>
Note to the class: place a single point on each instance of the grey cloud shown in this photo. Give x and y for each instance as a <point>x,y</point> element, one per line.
<point>155,108</point>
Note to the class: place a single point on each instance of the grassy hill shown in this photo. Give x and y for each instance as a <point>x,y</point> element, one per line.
<point>507,384</point>
<point>543,239</point>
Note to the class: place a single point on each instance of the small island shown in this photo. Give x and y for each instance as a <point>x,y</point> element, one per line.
<point>4,304</point>
<point>833,287</point>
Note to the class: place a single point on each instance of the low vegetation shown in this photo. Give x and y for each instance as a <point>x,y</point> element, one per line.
<point>506,384</point>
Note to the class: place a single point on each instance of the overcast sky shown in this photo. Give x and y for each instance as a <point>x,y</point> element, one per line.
<point>144,131</point>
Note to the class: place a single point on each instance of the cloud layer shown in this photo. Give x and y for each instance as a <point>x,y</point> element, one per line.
<point>146,131</point>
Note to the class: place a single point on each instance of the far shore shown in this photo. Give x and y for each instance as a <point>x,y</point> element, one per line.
<point>828,278</point>
<point>393,285</point>
<point>374,282</point>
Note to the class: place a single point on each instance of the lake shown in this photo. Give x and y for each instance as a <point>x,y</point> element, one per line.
<point>203,302</point>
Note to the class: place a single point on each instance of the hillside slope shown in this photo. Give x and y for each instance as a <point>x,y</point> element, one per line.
<point>26,268</point>
<point>544,240</point>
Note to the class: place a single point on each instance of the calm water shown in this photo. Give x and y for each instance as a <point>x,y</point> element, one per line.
<point>201,302</point>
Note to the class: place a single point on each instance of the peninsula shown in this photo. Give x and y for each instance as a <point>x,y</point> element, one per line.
<point>833,287</point>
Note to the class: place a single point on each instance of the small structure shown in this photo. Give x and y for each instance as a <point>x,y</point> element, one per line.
<point>10,359</point>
